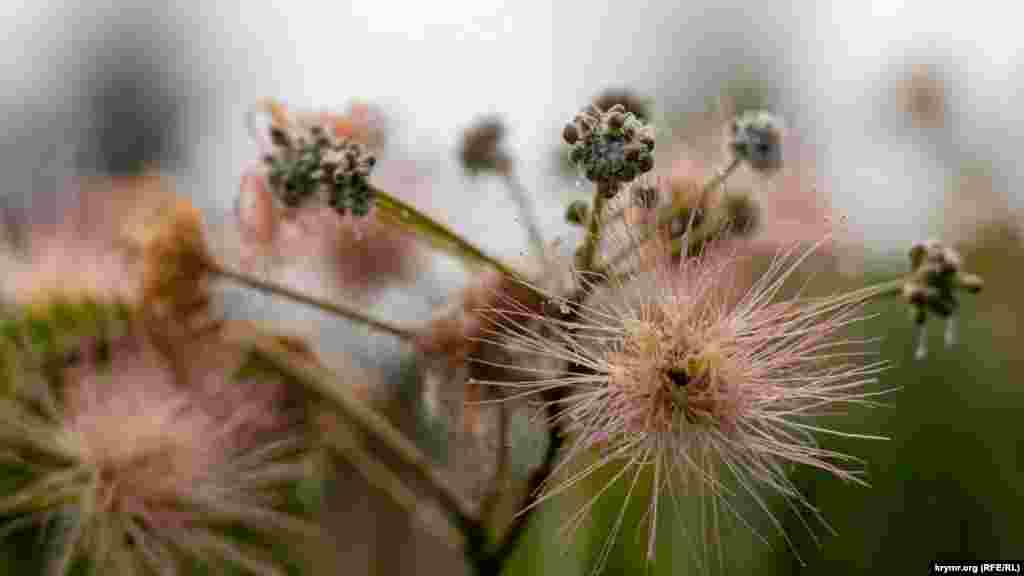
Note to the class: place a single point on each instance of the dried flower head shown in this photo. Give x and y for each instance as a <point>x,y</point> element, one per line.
<point>923,95</point>
<point>936,277</point>
<point>174,258</point>
<point>611,147</point>
<point>309,160</point>
<point>136,471</point>
<point>481,150</point>
<point>680,381</point>
<point>756,138</point>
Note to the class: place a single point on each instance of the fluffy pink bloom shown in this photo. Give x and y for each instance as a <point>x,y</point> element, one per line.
<point>71,242</point>
<point>154,467</point>
<point>684,380</point>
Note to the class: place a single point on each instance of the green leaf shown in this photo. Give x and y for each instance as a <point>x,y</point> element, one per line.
<point>407,217</point>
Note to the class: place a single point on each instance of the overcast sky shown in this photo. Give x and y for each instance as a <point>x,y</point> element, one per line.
<point>436,65</point>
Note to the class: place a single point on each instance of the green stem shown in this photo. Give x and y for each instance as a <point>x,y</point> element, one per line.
<point>410,218</point>
<point>589,249</point>
<point>336,309</point>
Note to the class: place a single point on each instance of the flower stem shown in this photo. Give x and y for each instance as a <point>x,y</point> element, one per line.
<point>591,241</point>
<point>327,386</point>
<point>552,398</point>
<point>378,475</point>
<point>407,216</point>
<point>527,215</point>
<point>337,309</point>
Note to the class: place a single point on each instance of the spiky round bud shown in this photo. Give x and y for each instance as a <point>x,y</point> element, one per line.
<point>611,147</point>
<point>577,212</point>
<point>756,138</point>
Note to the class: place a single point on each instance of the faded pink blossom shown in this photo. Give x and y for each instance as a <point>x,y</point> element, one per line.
<point>161,464</point>
<point>74,239</point>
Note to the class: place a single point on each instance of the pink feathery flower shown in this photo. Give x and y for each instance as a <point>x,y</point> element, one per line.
<point>71,242</point>
<point>149,469</point>
<point>681,377</point>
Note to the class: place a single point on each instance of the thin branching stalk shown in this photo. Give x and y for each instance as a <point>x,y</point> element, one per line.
<point>552,398</point>
<point>326,385</point>
<point>386,480</point>
<point>340,310</point>
<point>527,215</point>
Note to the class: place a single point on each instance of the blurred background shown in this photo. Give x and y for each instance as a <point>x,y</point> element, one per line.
<point>904,120</point>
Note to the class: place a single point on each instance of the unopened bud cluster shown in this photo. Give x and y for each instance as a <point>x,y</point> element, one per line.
<point>308,162</point>
<point>756,138</point>
<point>935,279</point>
<point>611,147</point>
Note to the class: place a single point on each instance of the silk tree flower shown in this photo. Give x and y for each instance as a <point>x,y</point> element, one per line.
<point>684,380</point>
<point>143,473</point>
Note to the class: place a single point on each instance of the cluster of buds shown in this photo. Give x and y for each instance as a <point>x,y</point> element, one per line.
<point>755,137</point>
<point>611,147</point>
<point>313,161</point>
<point>935,279</point>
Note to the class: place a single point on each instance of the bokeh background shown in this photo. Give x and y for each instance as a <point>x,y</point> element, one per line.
<point>906,125</point>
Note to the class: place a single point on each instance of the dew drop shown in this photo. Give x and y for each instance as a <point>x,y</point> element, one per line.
<point>564,308</point>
